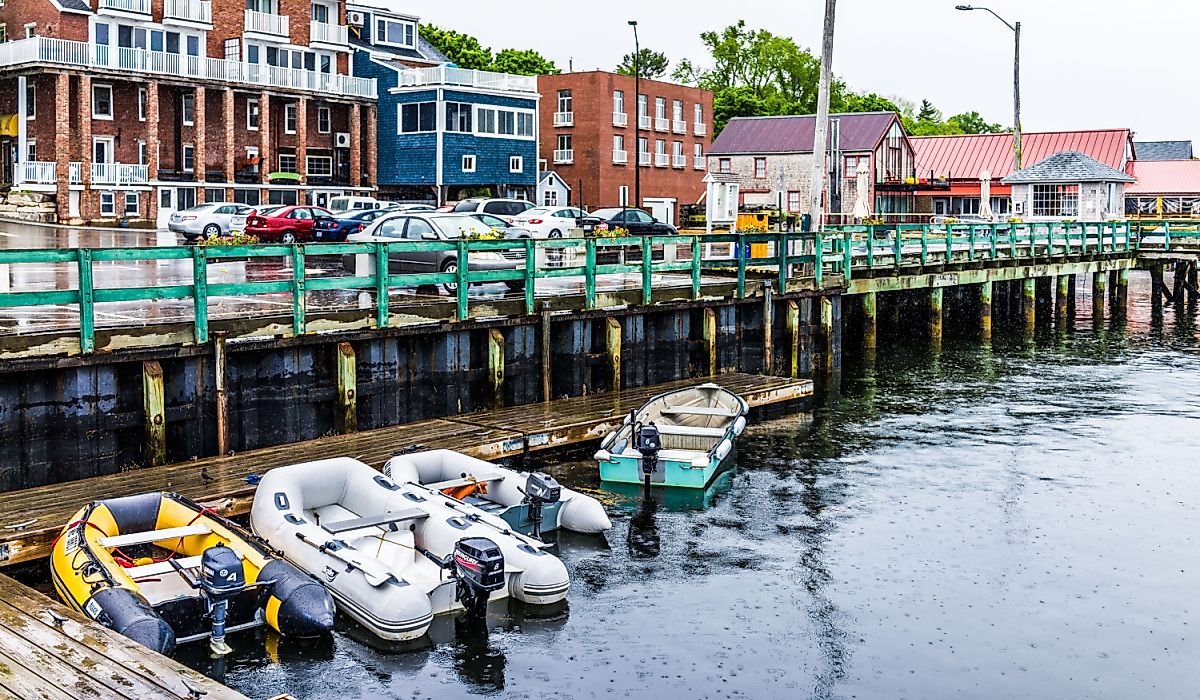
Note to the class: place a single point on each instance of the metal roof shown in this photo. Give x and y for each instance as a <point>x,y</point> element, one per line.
<point>860,131</point>
<point>1165,177</point>
<point>965,157</point>
<point>1068,166</point>
<point>1162,150</point>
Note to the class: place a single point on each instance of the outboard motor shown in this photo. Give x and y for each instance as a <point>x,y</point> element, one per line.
<point>540,489</point>
<point>222,578</point>
<point>478,566</point>
<point>649,442</point>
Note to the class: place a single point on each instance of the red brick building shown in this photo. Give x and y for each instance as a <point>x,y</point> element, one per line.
<point>595,131</point>
<point>133,109</point>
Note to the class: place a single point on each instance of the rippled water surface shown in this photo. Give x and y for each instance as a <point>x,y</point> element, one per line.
<point>992,522</point>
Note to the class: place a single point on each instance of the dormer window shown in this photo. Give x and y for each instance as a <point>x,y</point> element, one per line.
<point>395,32</point>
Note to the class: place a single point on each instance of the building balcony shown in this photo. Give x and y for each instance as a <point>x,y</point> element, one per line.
<point>662,124</point>
<point>92,57</point>
<point>120,174</point>
<point>188,12</point>
<point>661,160</point>
<point>334,36</point>
<point>135,7</point>
<point>644,159</point>
<point>620,119</point>
<point>564,119</point>
<point>37,172</point>
<point>679,126</point>
<point>463,77</point>
<point>678,162</point>
<point>564,156</point>
<point>698,162</point>
<point>699,129</point>
<point>620,157</point>
<point>644,122</point>
<point>266,26</point>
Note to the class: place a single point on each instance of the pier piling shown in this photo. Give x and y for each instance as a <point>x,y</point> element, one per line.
<point>1029,303</point>
<point>985,311</point>
<point>870,320</point>
<point>827,338</point>
<point>347,389</point>
<point>768,335</point>
<point>1062,299</point>
<point>1121,300</point>
<point>219,381</point>
<point>154,401</point>
<point>612,348</point>
<point>710,339</point>
<point>496,366</point>
<point>793,324</point>
<point>935,315</point>
<point>1099,287</point>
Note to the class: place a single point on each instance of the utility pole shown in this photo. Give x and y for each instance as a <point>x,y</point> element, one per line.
<point>1017,151</point>
<point>637,118</point>
<point>821,128</point>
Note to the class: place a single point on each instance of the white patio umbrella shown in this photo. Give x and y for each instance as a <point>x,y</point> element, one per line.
<point>985,195</point>
<point>862,190</point>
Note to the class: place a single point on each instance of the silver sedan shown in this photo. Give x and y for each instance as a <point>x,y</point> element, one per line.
<point>206,220</point>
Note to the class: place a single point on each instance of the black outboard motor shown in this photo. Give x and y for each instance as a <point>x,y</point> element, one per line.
<point>222,578</point>
<point>478,565</point>
<point>540,489</point>
<point>649,442</point>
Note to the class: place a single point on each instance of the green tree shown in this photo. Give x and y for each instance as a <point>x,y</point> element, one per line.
<point>869,102</point>
<point>523,62</point>
<point>653,64</point>
<point>463,50</point>
<point>929,113</point>
<point>972,123</point>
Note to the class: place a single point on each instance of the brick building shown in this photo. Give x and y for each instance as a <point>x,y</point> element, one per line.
<point>134,109</point>
<point>594,129</point>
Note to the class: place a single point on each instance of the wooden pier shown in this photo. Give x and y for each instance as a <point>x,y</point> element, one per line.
<point>30,519</point>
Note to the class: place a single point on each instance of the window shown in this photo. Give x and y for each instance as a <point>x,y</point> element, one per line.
<point>516,164</point>
<point>108,204</point>
<point>252,115</point>
<point>458,117</point>
<point>217,194</point>
<point>660,147</point>
<point>724,165</point>
<point>677,159</point>
<point>31,150</point>
<point>564,142</point>
<point>760,168</point>
<point>550,198</point>
<point>793,200</point>
<point>677,110</point>
<point>320,13</point>
<point>289,118</point>
<point>699,118</point>
<point>698,157</point>
<point>618,101</point>
<point>287,162</point>
<point>618,143</point>
<point>419,229</point>
<point>644,147</point>
<point>132,207</point>
<point>31,30</point>
<point>143,153</point>
<point>857,164</point>
<point>143,98</point>
<point>525,124</point>
<point>418,117</point>
<point>3,30</point>
<point>324,118</point>
<point>189,158</point>
<point>102,105</point>
<point>508,123</point>
<point>485,121</point>
<point>248,197</point>
<point>187,109</point>
<point>564,101</point>
<point>1056,200</point>
<point>320,166</point>
<point>468,164</point>
<point>642,105</point>
<point>30,99</point>
<point>395,32</point>
<point>660,107</point>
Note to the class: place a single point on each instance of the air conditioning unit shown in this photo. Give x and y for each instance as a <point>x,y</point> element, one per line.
<point>354,18</point>
<point>341,140</point>
<point>1019,207</point>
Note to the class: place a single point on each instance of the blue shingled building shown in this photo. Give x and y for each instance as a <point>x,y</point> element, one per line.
<point>444,133</point>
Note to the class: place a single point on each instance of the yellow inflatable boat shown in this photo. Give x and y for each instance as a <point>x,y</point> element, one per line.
<point>162,570</point>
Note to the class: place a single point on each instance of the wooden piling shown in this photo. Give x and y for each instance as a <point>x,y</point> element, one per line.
<point>1062,297</point>
<point>710,339</point>
<point>496,366</point>
<point>222,394</point>
<point>612,347</point>
<point>1121,299</point>
<point>935,315</point>
<point>1029,303</point>
<point>793,324</point>
<point>827,346</point>
<point>154,401</point>
<point>347,389</point>
<point>1099,289</point>
<point>546,386</point>
<point>768,330</point>
<point>870,320</point>
<point>985,311</point>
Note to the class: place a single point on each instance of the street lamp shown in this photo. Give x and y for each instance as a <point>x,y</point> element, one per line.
<point>1016,29</point>
<point>637,117</point>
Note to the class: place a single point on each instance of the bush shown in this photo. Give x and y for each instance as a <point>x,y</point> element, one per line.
<point>618,232</point>
<point>231,240</point>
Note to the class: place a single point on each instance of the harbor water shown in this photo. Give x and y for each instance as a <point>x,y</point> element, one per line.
<point>1009,520</point>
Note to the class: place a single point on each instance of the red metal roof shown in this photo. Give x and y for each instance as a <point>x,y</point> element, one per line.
<point>1165,177</point>
<point>794,134</point>
<point>965,157</point>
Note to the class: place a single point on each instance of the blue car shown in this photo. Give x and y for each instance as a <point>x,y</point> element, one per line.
<point>335,229</point>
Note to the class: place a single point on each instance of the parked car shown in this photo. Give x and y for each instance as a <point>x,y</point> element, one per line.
<point>335,229</point>
<point>498,224</point>
<point>206,220</point>
<point>506,209</point>
<point>239,221</point>
<point>289,224</point>
<point>550,222</point>
<point>394,207</point>
<point>636,221</point>
<point>434,227</point>
<point>341,205</point>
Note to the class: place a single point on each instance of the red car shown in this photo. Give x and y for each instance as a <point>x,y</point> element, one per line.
<point>290,224</point>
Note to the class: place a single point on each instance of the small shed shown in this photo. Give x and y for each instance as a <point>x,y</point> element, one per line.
<point>552,191</point>
<point>1068,185</point>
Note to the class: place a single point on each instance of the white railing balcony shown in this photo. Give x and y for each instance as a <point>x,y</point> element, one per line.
<point>141,7</point>
<point>699,129</point>
<point>678,161</point>
<point>188,11</point>
<point>78,54</point>
<point>334,34</point>
<point>564,119</point>
<point>620,119</point>
<point>661,160</point>
<point>620,157</point>
<point>679,126</point>
<point>75,173</point>
<point>120,174</point>
<point>698,163</point>
<point>644,159</point>
<point>266,23</point>
<point>564,156</point>
<point>662,124</point>
<point>644,122</point>
<point>38,172</point>
<point>465,77</point>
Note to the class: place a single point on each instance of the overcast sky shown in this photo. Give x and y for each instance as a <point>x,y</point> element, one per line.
<point>1097,64</point>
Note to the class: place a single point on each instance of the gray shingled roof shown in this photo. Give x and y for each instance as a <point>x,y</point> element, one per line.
<point>76,5</point>
<point>1067,166</point>
<point>1163,150</point>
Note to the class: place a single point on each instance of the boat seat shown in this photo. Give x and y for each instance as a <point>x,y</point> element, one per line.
<point>691,430</point>
<point>380,520</point>
<point>484,504</point>
<point>700,411</point>
<point>159,568</point>
<point>455,483</point>
<point>171,533</point>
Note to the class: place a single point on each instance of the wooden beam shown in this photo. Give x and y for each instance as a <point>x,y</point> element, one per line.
<point>1099,289</point>
<point>870,311</point>
<point>927,280</point>
<point>710,339</point>
<point>547,386</point>
<point>222,394</point>
<point>154,402</point>
<point>793,325</point>
<point>985,311</point>
<point>768,328</point>
<point>347,389</point>
<point>935,315</point>
<point>612,347</point>
<point>1029,303</point>
<point>496,366</point>
<point>826,305</point>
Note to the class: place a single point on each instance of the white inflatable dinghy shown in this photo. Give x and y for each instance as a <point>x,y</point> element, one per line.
<point>529,503</point>
<point>394,555</point>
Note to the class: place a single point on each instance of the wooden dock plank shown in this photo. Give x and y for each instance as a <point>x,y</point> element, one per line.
<point>221,481</point>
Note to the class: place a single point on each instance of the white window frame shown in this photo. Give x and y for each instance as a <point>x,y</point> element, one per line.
<point>516,164</point>
<point>618,101</point>
<point>143,152</point>
<point>400,118</point>
<point>290,115</point>
<point>519,115</point>
<point>469,163</point>
<point>550,197</point>
<point>30,100</point>
<point>253,115</point>
<point>3,28</point>
<point>143,103</point>
<point>108,208</point>
<point>760,161</point>
<point>324,120</point>
<point>410,32</point>
<point>183,158</point>
<point>184,99</point>
<point>137,204</point>
<point>30,150</point>
<point>295,167</point>
<point>319,172</point>
<point>111,106</point>
<point>31,30</point>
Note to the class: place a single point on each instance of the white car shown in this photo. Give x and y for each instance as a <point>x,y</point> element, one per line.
<point>549,222</point>
<point>239,221</point>
<point>506,209</point>
<point>207,220</point>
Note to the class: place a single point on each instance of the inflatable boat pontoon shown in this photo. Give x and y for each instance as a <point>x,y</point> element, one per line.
<point>529,503</point>
<point>394,555</point>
